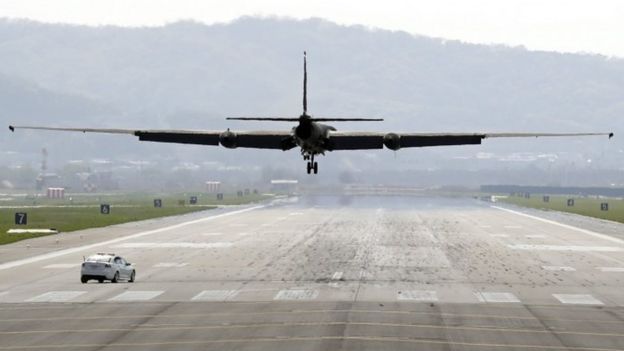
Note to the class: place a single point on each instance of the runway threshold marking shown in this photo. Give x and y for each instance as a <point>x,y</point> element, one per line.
<point>56,296</point>
<point>577,299</point>
<point>567,226</point>
<point>496,297</point>
<point>59,253</point>
<point>136,295</point>
<point>417,295</point>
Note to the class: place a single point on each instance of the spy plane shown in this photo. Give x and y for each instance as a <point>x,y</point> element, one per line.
<point>311,136</point>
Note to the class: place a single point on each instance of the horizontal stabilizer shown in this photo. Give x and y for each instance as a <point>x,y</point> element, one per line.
<point>313,119</point>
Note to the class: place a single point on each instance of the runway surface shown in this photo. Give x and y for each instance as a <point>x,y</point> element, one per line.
<point>326,273</point>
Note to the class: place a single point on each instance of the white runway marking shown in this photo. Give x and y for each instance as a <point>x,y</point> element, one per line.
<point>212,234</point>
<point>54,254</point>
<point>176,245</point>
<point>577,299</point>
<point>559,268</point>
<point>62,265</point>
<point>215,295</point>
<point>535,236</point>
<point>612,269</point>
<point>499,236</point>
<point>169,265</point>
<point>296,294</point>
<point>418,295</point>
<point>584,231</point>
<point>295,213</point>
<point>337,276</point>
<point>565,248</point>
<point>56,296</point>
<point>136,295</point>
<point>496,297</point>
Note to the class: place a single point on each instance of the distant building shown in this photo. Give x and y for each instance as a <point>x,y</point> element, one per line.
<point>284,185</point>
<point>55,193</point>
<point>213,187</point>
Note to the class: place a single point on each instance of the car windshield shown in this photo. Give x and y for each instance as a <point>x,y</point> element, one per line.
<point>99,259</point>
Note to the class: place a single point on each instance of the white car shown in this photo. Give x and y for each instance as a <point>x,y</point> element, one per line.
<point>106,266</point>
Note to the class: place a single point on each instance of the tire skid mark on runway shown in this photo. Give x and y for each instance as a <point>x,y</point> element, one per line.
<point>54,254</point>
<point>299,339</point>
<point>170,327</point>
<point>325,311</point>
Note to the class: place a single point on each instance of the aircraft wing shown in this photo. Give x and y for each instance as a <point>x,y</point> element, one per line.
<point>281,140</point>
<point>395,141</point>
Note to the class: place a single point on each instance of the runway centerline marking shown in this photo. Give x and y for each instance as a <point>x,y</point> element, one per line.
<point>611,269</point>
<point>496,297</point>
<point>170,265</point>
<point>559,268</point>
<point>573,248</point>
<point>174,245</point>
<point>418,295</point>
<point>296,294</point>
<point>56,296</point>
<point>136,295</point>
<point>580,230</point>
<point>215,295</point>
<point>54,254</point>
<point>577,299</point>
<point>61,265</point>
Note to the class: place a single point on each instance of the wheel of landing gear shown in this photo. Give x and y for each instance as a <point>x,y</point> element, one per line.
<point>315,168</point>
<point>309,167</point>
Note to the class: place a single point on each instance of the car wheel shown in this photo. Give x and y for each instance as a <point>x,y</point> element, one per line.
<point>83,279</point>
<point>115,278</point>
<point>131,280</point>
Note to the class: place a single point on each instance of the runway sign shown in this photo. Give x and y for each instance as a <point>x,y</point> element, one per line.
<point>158,203</point>
<point>193,200</point>
<point>21,218</point>
<point>604,206</point>
<point>570,202</point>
<point>105,209</point>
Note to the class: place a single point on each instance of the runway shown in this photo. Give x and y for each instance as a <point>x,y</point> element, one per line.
<point>327,273</point>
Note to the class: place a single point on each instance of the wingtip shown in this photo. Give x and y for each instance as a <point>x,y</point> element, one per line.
<point>11,128</point>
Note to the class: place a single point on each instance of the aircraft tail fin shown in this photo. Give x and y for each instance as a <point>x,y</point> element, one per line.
<point>305,85</point>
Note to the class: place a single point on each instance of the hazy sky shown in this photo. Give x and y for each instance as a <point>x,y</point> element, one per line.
<point>595,26</point>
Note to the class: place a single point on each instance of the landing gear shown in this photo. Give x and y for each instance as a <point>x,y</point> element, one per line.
<point>312,165</point>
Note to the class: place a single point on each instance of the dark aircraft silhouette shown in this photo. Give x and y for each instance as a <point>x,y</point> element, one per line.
<point>312,137</point>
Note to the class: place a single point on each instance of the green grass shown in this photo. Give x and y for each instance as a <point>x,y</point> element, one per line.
<point>583,206</point>
<point>124,208</point>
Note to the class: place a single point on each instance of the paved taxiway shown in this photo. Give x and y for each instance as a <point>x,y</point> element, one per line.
<point>327,273</point>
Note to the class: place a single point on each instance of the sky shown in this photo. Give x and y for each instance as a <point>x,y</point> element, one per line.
<point>590,26</point>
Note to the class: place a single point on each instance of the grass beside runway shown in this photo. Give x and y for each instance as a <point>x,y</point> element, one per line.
<point>583,206</point>
<point>83,211</point>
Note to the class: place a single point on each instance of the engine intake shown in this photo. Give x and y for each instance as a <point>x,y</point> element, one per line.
<point>392,141</point>
<point>228,139</point>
